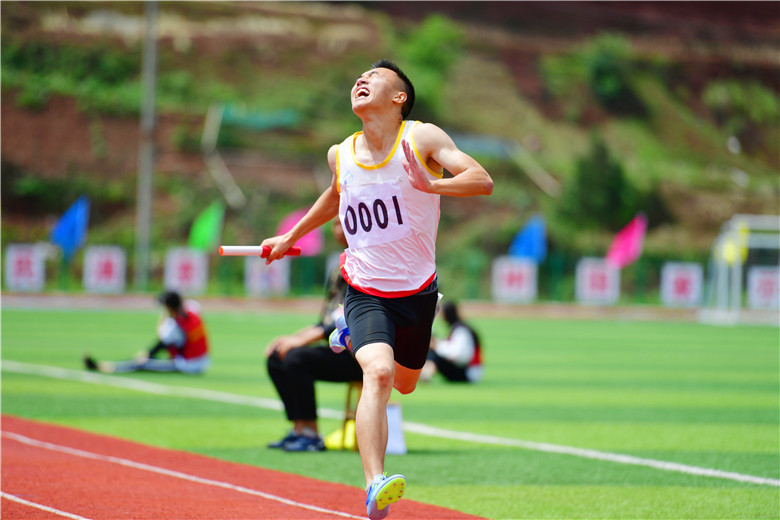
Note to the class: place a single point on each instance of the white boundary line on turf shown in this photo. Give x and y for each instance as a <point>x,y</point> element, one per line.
<point>418,428</point>
<point>423,429</point>
<point>139,386</point>
<point>170,473</point>
<point>14,498</point>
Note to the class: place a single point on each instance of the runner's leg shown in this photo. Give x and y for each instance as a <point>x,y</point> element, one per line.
<point>405,380</point>
<point>376,359</point>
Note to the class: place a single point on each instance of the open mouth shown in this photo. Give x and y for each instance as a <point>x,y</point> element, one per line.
<point>361,92</point>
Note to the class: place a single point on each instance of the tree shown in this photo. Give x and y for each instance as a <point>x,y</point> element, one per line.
<point>600,195</point>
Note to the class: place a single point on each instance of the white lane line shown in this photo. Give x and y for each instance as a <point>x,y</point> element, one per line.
<point>42,507</point>
<point>140,386</point>
<point>418,428</point>
<point>171,473</point>
<point>423,429</point>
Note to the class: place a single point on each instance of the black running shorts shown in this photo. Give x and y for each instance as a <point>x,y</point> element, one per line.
<point>403,323</point>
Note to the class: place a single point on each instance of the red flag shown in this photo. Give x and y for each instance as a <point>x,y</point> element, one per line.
<point>626,247</point>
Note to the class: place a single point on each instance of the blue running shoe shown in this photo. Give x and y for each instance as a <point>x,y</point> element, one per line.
<point>339,339</point>
<point>382,492</point>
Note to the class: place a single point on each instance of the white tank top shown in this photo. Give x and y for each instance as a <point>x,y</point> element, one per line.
<point>390,226</point>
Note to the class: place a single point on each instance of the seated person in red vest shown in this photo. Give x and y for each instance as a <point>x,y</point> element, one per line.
<point>182,338</point>
<point>459,357</point>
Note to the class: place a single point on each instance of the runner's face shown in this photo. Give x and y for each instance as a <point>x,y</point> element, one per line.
<point>376,86</point>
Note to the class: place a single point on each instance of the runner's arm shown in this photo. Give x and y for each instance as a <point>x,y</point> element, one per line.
<point>438,149</point>
<point>324,210</point>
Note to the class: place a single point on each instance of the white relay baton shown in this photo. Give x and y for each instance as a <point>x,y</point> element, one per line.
<point>261,251</point>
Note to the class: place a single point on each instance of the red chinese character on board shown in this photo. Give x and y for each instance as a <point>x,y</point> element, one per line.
<point>105,269</point>
<point>23,267</point>
<point>682,286</point>
<point>186,271</point>
<point>514,279</point>
<point>598,281</point>
<point>766,288</point>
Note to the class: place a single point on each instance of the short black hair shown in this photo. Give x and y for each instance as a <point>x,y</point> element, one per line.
<point>384,63</point>
<point>172,300</point>
<point>450,311</point>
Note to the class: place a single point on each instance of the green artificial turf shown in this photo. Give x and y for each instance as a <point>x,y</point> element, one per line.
<point>684,393</point>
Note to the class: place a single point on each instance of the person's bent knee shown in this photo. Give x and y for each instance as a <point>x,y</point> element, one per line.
<point>274,362</point>
<point>405,387</point>
<point>406,379</point>
<point>297,358</point>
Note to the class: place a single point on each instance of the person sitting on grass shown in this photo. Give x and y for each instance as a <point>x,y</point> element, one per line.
<point>182,337</point>
<point>458,357</point>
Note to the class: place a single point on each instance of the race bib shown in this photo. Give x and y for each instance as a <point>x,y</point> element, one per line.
<point>374,214</point>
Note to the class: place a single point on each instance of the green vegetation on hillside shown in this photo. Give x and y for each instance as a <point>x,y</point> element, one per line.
<point>621,132</point>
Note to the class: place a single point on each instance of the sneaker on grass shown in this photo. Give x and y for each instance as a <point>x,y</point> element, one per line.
<point>305,443</point>
<point>280,444</point>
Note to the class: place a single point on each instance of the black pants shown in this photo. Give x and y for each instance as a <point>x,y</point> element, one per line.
<point>403,323</point>
<point>294,377</point>
<point>447,368</point>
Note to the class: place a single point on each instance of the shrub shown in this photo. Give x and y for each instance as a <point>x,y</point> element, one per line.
<point>600,72</point>
<point>600,195</point>
<point>737,104</point>
<point>103,78</point>
<point>103,63</point>
<point>610,64</point>
<point>33,95</point>
<point>427,54</point>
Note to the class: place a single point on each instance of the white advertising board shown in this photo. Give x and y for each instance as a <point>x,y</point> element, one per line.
<point>514,279</point>
<point>104,269</point>
<point>597,282</point>
<point>763,286</point>
<point>266,280</point>
<point>681,284</point>
<point>25,268</point>
<point>186,270</point>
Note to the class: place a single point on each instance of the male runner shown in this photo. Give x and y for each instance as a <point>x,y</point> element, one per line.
<point>386,184</point>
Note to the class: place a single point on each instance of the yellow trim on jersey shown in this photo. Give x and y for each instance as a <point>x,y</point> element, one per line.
<point>438,175</point>
<point>338,170</point>
<point>389,156</point>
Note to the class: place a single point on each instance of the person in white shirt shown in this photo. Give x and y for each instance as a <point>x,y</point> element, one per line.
<point>387,180</point>
<point>459,356</point>
<point>183,342</point>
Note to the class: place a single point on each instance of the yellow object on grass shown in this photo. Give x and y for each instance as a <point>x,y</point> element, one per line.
<point>343,438</point>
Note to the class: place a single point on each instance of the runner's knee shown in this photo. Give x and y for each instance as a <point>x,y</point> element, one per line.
<point>379,373</point>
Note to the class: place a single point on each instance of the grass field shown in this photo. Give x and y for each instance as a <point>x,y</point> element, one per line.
<point>698,396</point>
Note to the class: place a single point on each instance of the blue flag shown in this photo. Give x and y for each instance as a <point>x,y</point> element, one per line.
<point>70,231</point>
<point>531,241</point>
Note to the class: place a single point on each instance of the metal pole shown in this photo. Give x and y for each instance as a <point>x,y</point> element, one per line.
<point>146,150</point>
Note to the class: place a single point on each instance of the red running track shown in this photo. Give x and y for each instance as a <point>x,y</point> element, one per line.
<point>51,472</point>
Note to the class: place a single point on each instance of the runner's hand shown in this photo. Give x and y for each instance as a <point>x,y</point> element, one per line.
<point>417,176</point>
<point>279,245</point>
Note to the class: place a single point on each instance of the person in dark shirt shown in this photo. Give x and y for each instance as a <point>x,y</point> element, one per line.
<point>296,361</point>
